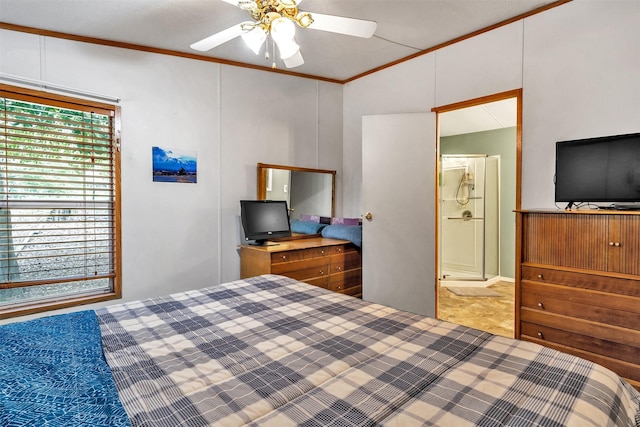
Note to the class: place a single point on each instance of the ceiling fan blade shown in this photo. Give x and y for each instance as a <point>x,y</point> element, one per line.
<point>294,61</point>
<point>218,38</point>
<point>341,25</point>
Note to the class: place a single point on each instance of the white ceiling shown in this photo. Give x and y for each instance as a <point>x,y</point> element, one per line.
<point>405,27</point>
<point>480,118</point>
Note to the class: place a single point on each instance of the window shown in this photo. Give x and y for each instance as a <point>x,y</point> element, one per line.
<point>59,202</point>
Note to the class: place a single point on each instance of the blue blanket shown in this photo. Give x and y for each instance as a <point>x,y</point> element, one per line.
<point>53,373</point>
<point>344,232</point>
<point>306,227</point>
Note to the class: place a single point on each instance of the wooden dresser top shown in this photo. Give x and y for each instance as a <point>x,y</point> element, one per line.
<point>288,245</point>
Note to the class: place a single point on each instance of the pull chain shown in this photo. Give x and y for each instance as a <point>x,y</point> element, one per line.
<point>266,49</point>
<point>273,48</point>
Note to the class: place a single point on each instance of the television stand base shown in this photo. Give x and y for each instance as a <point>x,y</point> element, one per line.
<point>262,243</point>
<point>620,207</point>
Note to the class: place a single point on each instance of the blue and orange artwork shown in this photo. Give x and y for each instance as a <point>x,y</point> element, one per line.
<point>171,165</point>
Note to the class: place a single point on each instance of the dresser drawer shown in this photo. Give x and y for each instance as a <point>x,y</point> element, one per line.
<point>574,279</point>
<point>345,261</point>
<point>354,291</point>
<point>341,249</point>
<point>298,255</point>
<point>308,273</point>
<point>545,334</point>
<point>612,333</point>
<point>345,280</point>
<point>284,267</point>
<point>613,309</point>
<point>322,282</point>
<point>627,370</point>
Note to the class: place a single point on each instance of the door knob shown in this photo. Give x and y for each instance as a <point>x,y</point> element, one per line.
<point>368,216</point>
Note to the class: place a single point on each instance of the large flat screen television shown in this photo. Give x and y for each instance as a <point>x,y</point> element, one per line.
<point>264,219</point>
<point>602,170</point>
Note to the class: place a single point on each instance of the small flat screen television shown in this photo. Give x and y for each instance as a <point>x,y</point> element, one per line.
<point>264,219</point>
<point>599,170</point>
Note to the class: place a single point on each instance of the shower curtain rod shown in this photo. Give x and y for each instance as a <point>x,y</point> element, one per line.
<point>57,88</point>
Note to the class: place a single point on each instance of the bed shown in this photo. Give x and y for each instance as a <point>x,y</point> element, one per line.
<point>272,351</point>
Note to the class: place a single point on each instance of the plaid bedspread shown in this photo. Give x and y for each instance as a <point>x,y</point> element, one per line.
<point>273,351</point>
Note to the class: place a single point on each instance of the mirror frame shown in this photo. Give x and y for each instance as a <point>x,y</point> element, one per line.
<point>262,180</point>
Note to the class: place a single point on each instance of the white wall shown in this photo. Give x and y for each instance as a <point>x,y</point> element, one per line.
<point>581,79</point>
<point>182,236</point>
<point>405,88</point>
<point>578,65</point>
<point>472,68</point>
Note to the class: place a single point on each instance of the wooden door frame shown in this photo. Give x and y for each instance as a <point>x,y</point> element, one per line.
<point>515,93</point>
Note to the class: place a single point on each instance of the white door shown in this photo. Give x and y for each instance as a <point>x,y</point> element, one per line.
<point>398,189</point>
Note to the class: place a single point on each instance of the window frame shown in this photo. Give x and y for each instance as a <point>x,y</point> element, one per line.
<point>61,301</point>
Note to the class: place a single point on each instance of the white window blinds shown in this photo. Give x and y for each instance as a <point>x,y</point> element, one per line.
<point>58,205</point>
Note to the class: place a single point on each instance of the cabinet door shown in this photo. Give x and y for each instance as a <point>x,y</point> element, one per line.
<point>624,244</point>
<point>568,240</point>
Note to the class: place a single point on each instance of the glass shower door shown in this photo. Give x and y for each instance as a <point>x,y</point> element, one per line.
<point>462,222</point>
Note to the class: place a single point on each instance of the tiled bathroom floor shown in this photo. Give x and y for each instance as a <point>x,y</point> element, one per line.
<point>491,314</point>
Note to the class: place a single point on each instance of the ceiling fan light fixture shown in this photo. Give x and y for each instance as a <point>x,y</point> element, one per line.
<point>276,18</point>
<point>282,30</point>
<point>255,39</point>
<point>304,19</point>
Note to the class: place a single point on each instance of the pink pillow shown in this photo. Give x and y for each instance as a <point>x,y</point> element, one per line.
<point>312,218</point>
<point>345,221</point>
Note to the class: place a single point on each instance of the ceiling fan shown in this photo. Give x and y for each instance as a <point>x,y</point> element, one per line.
<point>275,19</point>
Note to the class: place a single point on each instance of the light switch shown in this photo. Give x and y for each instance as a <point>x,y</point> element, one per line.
<point>285,188</point>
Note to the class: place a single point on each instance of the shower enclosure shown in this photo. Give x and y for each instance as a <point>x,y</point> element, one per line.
<point>469,201</point>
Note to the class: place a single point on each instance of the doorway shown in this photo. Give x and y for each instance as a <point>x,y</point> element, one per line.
<point>478,188</point>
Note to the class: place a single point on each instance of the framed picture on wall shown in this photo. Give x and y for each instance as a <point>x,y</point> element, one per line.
<point>171,165</point>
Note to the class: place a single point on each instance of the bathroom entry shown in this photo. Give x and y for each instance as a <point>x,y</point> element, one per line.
<point>478,146</point>
<point>469,201</point>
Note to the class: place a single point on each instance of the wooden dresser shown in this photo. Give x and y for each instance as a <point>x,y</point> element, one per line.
<point>578,285</point>
<point>329,263</point>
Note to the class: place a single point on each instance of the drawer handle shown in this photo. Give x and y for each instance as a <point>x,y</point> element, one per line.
<point>614,244</point>
<point>540,276</point>
<point>338,287</point>
<point>322,251</point>
<point>321,272</point>
<point>338,268</point>
<point>339,249</point>
<point>541,305</point>
<point>540,335</point>
<point>284,257</point>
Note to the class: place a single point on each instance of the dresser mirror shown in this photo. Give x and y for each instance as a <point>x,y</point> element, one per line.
<point>307,191</point>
